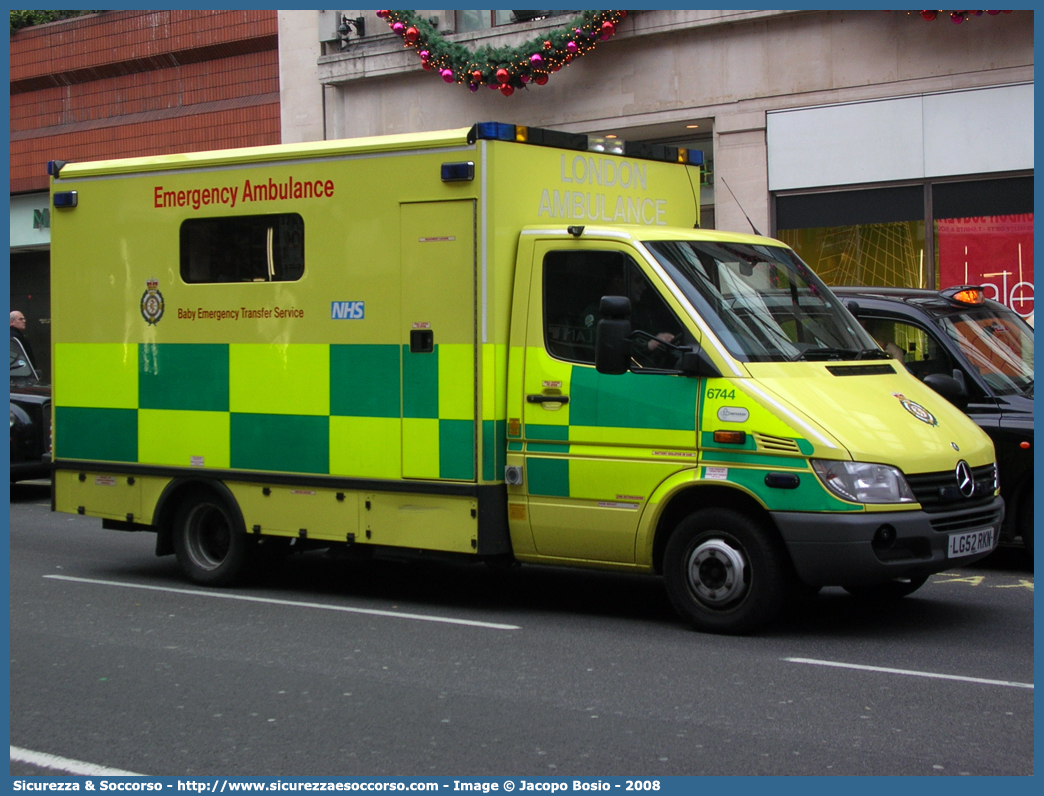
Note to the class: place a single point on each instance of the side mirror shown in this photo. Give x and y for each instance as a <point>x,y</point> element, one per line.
<point>613,336</point>
<point>949,388</point>
<point>696,364</point>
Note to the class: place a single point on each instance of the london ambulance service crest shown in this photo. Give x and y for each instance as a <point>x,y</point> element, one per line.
<point>152,302</point>
<point>916,410</point>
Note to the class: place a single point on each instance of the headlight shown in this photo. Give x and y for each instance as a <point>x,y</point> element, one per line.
<point>864,482</point>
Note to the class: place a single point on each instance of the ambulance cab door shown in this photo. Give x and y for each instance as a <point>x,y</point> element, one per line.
<point>438,340</point>
<point>596,446</point>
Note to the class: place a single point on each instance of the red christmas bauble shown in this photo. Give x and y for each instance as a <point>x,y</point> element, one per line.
<point>928,15</point>
<point>547,44</point>
<point>956,18</point>
<point>507,90</point>
<point>540,80</point>
<point>476,76</point>
<point>503,76</point>
<point>412,34</point>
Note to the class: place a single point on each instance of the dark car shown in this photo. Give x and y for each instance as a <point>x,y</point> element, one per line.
<point>978,354</point>
<point>30,419</point>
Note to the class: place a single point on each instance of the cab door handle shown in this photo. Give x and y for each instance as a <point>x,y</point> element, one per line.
<point>547,399</point>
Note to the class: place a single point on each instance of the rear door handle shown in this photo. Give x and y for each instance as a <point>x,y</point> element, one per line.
<point>547,399</point>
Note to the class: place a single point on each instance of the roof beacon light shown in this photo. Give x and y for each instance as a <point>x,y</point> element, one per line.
<point>614,146</point>
<point>540,136</point>
<point>495,131</point>
<point>966,294</point>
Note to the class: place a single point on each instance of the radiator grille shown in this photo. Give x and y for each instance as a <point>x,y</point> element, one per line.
<point>939,491</point>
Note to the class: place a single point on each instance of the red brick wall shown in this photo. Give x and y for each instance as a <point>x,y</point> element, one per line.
<point>127,83</point>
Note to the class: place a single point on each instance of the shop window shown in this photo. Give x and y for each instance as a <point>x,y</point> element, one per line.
<point>574,283</point>
<point>472,19</point>
<point>243,249</point>
<point>866,237</point>
<point>984,236</point>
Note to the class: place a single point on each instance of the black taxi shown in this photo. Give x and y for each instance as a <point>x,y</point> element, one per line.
<point>977,353</point>
<point>30,419</point>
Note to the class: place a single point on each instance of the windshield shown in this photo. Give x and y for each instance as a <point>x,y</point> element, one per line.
<point>763,303</point>
<point>998,345</point>
<point>20,367</point>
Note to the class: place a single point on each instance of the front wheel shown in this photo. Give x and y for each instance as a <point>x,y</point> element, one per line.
<point>725,572</point>
<point>208,544</point>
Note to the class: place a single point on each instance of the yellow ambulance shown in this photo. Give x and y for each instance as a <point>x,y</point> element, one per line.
<point>495,343</point>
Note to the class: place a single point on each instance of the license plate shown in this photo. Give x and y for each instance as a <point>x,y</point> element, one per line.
<point>968,544</point>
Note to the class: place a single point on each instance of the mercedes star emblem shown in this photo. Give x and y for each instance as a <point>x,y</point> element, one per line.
<point>965,482</point>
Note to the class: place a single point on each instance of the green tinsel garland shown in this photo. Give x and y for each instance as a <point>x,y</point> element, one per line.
<point>503,68</point>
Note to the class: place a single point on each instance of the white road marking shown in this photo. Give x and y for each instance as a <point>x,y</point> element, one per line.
<point>76,767</point>
<point>910,672</point>
<point>293,603</point>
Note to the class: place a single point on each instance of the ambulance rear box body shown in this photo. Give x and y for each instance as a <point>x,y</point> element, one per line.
<point>488,344</point>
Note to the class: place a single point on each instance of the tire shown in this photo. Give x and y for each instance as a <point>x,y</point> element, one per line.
<point>725,572</point>
<point>891,590</point>
<point>209,545</point>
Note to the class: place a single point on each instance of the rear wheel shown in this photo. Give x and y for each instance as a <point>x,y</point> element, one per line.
<point>725,572</point>
<point>209,546</point>
<point>890,590</point>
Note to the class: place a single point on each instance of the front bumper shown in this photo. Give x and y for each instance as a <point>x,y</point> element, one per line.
<point>837,549</point>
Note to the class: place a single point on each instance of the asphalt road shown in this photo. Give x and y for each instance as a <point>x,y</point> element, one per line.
<point>342,669</point>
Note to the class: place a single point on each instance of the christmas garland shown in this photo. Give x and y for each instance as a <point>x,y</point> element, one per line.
<point>957,17</point>
<point>504,69</point>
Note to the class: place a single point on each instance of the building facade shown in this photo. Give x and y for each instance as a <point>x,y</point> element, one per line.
<point>124,84</point>
<point>886,148</point>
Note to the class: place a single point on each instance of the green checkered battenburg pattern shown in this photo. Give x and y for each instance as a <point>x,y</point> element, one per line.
<point>323,409</point>
<point>654,406</point>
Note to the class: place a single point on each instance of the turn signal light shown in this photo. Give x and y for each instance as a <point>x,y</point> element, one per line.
<point>730,437</point>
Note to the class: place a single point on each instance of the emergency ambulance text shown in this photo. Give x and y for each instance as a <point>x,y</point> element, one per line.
<point>596,206</point>
<point>269,191</point>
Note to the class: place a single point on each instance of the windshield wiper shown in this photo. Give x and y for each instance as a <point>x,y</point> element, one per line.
<point>811,354</point>
<point>873,353</point>
<point>826,353</point>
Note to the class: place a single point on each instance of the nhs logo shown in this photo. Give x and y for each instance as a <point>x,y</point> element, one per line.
<point>347,310</point>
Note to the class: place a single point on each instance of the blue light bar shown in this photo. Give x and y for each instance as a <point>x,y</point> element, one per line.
<point>495,131</point>
<point>65,199</point>
<point>695,157</point>
<point>54,166</point>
